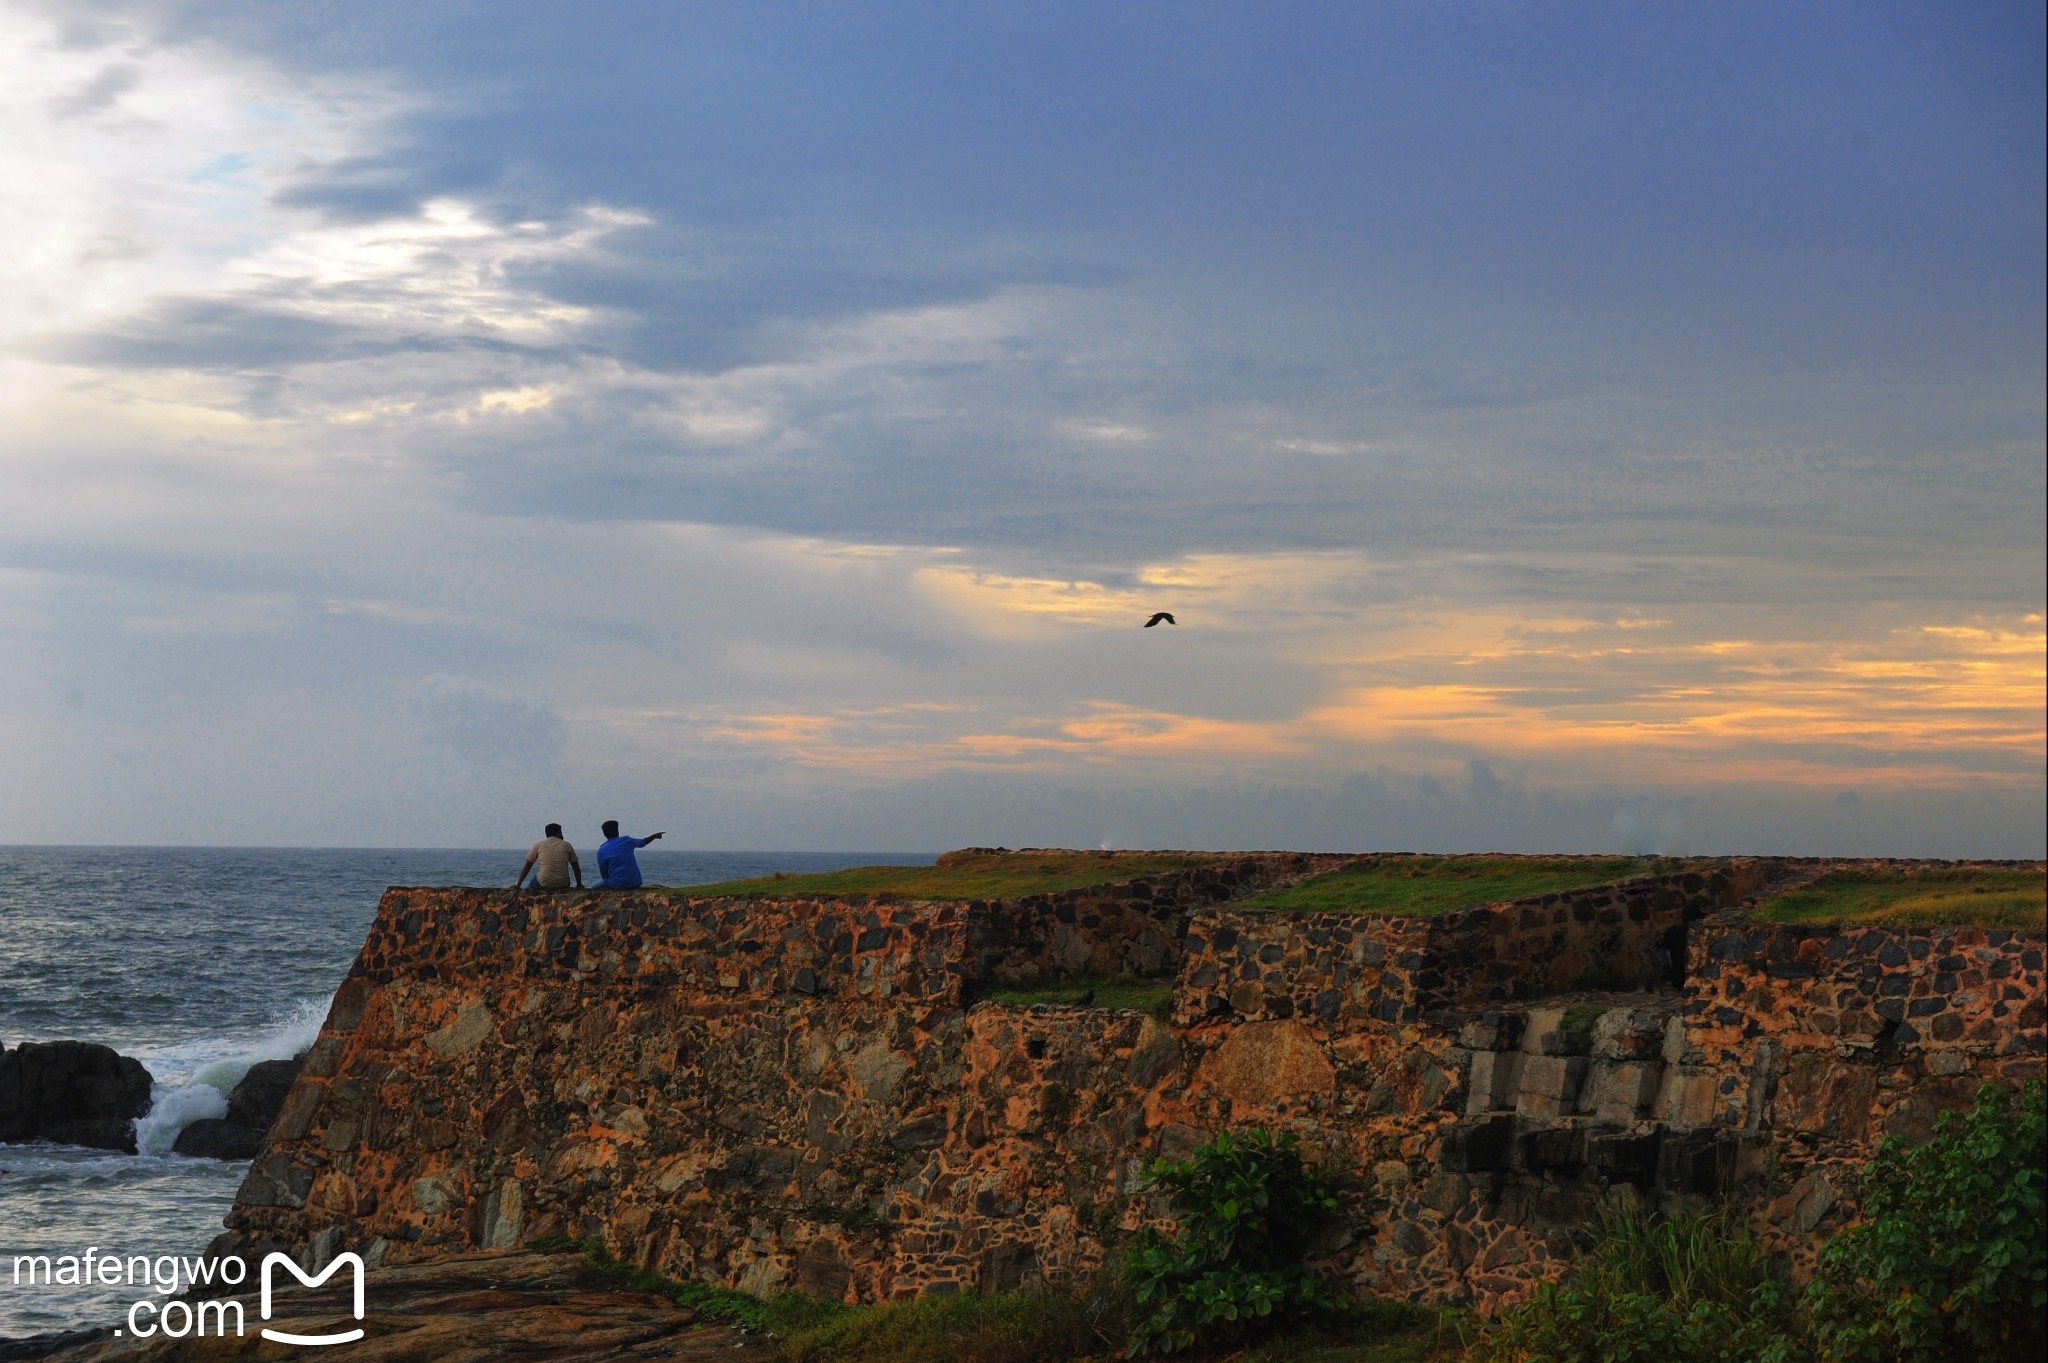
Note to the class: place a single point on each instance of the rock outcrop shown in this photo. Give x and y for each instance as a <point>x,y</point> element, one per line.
<point>526,1306</point>
<point>73,1093</point>
<point>253,1105</point>
<point>215,1138</point>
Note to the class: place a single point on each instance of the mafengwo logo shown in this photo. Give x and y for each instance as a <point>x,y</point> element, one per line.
<point>351,1261</point>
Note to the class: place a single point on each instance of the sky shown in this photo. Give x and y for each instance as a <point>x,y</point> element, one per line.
<point>1554,426</point>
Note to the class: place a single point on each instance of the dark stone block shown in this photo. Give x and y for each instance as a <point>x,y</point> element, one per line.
<point>1557,1147</point>
<point>1476,1147</point>
<point>212,1138</point>
<point>1696,1162</point>
<point>1619,1158</point>
<point>1790,970</point>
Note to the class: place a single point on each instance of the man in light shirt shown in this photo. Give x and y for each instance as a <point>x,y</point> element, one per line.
<point>552,860</point>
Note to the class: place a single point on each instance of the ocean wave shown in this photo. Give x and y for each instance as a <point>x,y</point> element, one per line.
<point>193,1078</point>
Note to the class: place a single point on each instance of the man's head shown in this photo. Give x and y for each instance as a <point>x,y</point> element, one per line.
<point>610,828</point>
<point>553,830</point>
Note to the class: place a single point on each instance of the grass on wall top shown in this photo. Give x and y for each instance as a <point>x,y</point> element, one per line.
<point>961,875</point>
<point>1426,886</point>
<point>1917,897</point>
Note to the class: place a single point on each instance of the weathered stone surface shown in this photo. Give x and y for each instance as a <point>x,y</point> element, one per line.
<point>1619,1091</point>
<point>73,1093</point>
<point>1263,1065</point>
<point>1490,1086</point>
<point>1548,1085</point>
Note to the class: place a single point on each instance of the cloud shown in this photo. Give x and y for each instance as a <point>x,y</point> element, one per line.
<point>477,724</point>
<point>100,93</point>
<point>1524,461</point>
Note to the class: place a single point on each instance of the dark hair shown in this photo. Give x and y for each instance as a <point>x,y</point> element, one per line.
<point>553,830</point>
<point>610,828</point>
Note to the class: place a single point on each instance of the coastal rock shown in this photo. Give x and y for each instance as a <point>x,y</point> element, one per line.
<point>521,1305</point>
<point>71,1092</point>
<point>212,1138</point>
<point>255,1102</point>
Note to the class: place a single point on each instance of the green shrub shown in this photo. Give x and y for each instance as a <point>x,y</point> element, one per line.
<point>1232,1272</point>
<point>1693,1287</point>
<point>1951,1258</point>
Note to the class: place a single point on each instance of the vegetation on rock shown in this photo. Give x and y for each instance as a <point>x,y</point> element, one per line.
<point>962,875</point>
<point>1916,897</point>
<point>1951,1258</point>
<point>1950,1261</point>
<point>1232,1272</point>
<point>1694,1287</point>
<point>1154,997</point>
<point>1426,886</point>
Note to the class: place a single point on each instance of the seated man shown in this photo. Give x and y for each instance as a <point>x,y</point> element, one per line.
<point>616,867</point>
<point>551,861</point>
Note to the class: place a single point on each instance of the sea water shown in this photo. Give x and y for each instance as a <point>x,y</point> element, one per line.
<point>199,962</point>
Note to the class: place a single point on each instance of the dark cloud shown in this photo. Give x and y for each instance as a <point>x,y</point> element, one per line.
<point>482,726</point>
<point>262,333</point>
<point>100,93</point>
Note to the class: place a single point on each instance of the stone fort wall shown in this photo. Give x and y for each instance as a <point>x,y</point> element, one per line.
<point>800,1094</point>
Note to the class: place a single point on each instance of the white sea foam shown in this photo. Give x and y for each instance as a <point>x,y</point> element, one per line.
<point>193,1078</point>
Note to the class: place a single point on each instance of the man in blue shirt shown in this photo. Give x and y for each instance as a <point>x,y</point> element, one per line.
<point>616,867</point>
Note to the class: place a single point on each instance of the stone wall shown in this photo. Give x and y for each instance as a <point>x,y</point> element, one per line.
<point>1135,927</point>
<point>792,1094</point>
<point>1350,970</point>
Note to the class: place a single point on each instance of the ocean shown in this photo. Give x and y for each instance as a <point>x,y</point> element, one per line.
<point>200,962</point>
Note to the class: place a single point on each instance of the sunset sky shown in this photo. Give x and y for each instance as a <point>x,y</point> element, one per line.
<point>1554,426</point>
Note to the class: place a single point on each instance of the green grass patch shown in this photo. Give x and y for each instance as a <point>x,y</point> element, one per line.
<point>981,875</point>
<point>1920,897</point>
<point>1425,886</point>
<point>1099,991</point>
<point>1007,1328</point>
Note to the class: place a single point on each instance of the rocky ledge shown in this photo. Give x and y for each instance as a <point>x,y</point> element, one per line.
<point>522,1305</point>
<point>72,1092</point>
<point>253,1105</point>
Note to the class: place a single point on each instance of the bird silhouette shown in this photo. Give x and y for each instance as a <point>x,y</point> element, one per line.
<point>1087,999</point>
<point>1161,616</point>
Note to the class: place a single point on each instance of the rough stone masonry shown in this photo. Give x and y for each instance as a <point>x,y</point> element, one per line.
<point>802,1094</point>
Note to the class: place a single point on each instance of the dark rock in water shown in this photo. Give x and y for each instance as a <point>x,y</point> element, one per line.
<point>212,1138</point>
<point>255,1101</point>
<point>73,1092</point>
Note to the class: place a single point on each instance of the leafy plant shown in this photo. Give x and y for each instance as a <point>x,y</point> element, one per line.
<point>1951,1260</point>
<point>1693,1287</point>
<point>1233,1270</point>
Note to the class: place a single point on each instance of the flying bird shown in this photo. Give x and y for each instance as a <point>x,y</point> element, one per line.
<point>1161,616</point>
